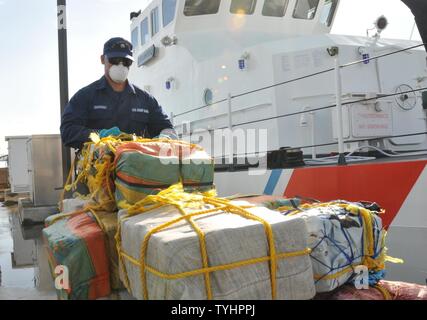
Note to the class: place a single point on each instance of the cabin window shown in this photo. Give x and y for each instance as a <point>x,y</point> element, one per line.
<point>155,23</point>
<point>306,9</point>
<point>135,37</point>
<point>208,96</point>
<point>275,8</point>
<point>168,8</point>
<point>328,12</point>
<point>145,35</point>
<point>243,6</point>
<point>201,7</point>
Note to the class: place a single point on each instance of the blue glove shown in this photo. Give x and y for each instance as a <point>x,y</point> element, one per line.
<point>375,277</point>
<point>168,134</point>
<point>115,131</point>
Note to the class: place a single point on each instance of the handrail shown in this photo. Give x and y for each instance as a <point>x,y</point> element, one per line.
<point>298,79</point>
<point>335,143</point>
<point>338,104</point>
<point>305,110</point>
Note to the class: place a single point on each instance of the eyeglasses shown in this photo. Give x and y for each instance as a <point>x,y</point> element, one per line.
<point>122,45</point>
<point>117,61</point>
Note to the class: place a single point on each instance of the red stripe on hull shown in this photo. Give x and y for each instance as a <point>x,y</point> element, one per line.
<point>387,184</point>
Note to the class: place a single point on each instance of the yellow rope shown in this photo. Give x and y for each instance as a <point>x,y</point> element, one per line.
<point>101,194</point>
<point>179,200</point>
<point>98,220</point>
<point>87,208</point>
<point>202,242</point>
<point>230,266</point>
<point>104,168</point>
<point>368,238</point>
<point>386,294</point>
<point>145,242</point>
<point>121,262</point>
<point>269,232</point>
<point>62,197</point>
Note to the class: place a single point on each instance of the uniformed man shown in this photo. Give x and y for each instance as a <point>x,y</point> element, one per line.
<point>112,104</point>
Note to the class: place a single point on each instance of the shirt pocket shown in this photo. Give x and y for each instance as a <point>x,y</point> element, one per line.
<point>100,112</point>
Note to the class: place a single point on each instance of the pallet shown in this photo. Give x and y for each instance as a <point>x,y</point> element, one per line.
<point>10,199</point>
<point>4,176</point>
<point>3,193</point>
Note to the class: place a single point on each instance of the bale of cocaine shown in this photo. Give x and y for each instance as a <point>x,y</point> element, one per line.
<point>223,254</point>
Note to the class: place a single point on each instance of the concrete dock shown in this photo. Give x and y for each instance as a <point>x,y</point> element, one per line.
<point>21,277</point>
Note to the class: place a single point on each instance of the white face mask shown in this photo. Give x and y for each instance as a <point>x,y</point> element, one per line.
<point>119,73</point>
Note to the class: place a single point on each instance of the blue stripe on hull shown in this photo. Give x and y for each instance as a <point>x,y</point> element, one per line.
<point>272,181</point>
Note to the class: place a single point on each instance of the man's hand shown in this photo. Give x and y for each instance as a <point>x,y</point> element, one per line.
<point>168,134</point>
<point>115,131</point>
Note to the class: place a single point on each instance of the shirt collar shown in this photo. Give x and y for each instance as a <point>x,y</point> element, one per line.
<point>130,88</point>
<point>103,84</point>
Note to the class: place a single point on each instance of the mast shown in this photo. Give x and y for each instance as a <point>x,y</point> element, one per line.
<point>63,76</point>
<point>419,10</point>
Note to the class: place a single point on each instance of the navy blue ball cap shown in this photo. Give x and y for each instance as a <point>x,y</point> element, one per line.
<point>118,48</point>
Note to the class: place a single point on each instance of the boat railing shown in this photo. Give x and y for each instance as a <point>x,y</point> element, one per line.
<point>342,157</point>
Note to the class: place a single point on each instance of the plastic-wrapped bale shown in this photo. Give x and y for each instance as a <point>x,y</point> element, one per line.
<point>108,223</point>
<point>78,243</point>
<point>144,168</point>
<point>222,253</point>
<point>197,169</point>
<point>72,205</point>
<point>270,202</point>
<point>385,290</point>
<point>342,236</point>
<point>404,291</point>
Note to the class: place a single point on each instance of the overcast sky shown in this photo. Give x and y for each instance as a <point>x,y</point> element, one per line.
<point>29,85</point>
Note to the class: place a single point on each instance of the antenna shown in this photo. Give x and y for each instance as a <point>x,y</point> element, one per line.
<point>413,29</point>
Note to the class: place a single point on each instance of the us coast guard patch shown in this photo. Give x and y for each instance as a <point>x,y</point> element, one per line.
<point>141,110</point>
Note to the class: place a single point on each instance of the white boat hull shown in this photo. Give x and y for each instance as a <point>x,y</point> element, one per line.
<point>399,187</point>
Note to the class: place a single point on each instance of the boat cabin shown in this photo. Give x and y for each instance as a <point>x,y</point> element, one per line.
<point>228,22</point>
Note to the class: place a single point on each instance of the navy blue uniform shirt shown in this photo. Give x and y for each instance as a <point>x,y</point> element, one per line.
<point>98,107</point>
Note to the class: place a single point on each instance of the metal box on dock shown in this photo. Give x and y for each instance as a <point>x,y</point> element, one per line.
<point>44,154</point>
<point>19,178</point>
